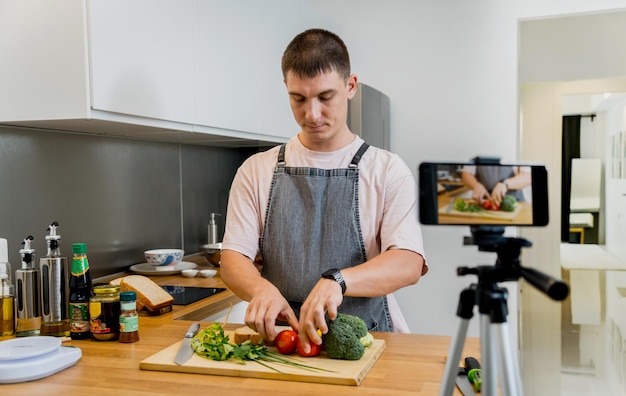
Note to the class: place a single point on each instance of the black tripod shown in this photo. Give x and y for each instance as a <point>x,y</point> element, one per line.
<point>495,347</point>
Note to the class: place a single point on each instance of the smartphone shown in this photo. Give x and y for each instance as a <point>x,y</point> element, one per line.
<point>483,194</point>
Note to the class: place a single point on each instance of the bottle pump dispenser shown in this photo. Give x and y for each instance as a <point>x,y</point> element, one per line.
<point>213,233</point>
<point>27,284</point>
<point>54,288</point>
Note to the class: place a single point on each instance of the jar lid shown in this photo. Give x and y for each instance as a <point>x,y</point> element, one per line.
<point>128,296</point>
<point>106,289</point>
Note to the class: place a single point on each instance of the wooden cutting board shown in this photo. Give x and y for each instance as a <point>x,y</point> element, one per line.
<point>344,372</point>
<point>484,214</point>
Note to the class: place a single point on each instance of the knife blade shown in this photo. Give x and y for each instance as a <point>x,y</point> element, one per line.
<point>185,352</point>
<point>465,386</point>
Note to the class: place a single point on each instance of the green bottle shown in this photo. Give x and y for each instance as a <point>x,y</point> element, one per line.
<point>80,293</point>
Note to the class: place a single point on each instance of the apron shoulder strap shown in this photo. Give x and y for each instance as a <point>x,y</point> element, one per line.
<point>357,157</point>
<point>281,156</point>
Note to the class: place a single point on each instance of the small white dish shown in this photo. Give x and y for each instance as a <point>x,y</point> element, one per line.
<point>208,273</point>
<point>189,273</point>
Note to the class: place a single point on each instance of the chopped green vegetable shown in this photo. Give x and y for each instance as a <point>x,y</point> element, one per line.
<point>461,205</point>
<point>212,343</point>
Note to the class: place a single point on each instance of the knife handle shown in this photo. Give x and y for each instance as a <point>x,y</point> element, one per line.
<point>193,330</point>
<point>472,369</point>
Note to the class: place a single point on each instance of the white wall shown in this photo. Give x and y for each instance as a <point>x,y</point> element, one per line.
<point>451,71</point>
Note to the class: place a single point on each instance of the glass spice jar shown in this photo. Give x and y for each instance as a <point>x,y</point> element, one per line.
<point>129,319</point>
<point>104,311</point>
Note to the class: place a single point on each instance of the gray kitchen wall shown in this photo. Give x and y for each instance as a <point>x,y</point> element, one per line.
<point>120,196</point>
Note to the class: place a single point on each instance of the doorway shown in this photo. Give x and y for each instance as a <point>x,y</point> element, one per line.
<point>542,131</point>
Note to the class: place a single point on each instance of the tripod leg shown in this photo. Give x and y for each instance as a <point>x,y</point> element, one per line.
<point>511,379</point>
<point>453,358</point>
<point>488,373</point>
<point>465,311</point>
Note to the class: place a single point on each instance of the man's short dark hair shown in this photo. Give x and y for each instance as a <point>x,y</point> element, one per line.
<point>316,51</point>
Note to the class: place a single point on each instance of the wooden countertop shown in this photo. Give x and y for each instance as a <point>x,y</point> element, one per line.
<point>412,364</point>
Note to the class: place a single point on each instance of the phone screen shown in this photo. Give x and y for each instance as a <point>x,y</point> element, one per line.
<point>483,194</point>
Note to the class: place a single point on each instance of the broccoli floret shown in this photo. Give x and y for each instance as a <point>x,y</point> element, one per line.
<point>367,341</point>
<point>343,340</point>
<point>508,203</point>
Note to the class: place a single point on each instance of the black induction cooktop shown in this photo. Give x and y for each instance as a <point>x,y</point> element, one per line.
<point>184,295</point>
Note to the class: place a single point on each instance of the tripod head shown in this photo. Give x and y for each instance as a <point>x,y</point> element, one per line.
<point>508,266</point>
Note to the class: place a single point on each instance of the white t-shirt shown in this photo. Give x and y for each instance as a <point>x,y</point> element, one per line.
<point>387,197</point>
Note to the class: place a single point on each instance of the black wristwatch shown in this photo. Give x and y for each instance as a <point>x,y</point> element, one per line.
<point>335,274</point>
<point>503,181</point>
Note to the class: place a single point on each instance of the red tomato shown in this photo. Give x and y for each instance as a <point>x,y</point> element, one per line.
<point>286,342</point>
<point>487,205</point>
<point>315,349</point>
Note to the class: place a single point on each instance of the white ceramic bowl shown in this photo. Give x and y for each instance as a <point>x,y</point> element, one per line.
<point>164,258</point>
<point>208,273</point>
<point>189,273</point>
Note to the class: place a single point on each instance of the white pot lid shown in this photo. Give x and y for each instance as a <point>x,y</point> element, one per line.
<point>25,347</point>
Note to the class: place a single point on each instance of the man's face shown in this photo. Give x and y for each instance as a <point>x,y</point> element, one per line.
<point>320,107</point>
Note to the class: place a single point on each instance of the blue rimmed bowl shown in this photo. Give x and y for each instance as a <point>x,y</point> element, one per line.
<point>164,258</point>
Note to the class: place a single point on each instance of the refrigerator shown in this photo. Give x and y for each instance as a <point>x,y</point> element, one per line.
<point>368,116</point>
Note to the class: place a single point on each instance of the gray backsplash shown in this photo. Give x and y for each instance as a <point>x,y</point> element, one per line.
<point>120,196</point>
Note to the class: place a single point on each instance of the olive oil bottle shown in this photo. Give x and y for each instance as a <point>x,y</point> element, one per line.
<point>7,307</point>
<point>7,296</point>
<point>28,281</point>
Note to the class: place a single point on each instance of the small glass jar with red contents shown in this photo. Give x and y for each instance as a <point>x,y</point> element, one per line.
<point>129,319</point>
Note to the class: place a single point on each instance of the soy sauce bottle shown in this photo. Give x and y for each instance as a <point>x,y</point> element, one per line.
<point>80,293</point>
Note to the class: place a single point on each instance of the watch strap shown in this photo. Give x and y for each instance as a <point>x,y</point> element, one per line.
<point>335,275</point>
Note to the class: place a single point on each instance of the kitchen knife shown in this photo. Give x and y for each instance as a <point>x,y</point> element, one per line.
<point>465,386</point>
<point>472,368</point>
<point>184,351</point>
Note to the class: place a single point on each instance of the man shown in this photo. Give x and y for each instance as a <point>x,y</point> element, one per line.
<point>334,220</point>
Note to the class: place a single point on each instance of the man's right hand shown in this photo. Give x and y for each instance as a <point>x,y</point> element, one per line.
<point>480,193</point>
<point>263,310</point>
<point>266,304</point>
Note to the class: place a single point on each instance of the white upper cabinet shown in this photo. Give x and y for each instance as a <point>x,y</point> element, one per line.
<point>238,52</point>
<point>43,62</point>
<point>142,58</point>
<point>196,71</point>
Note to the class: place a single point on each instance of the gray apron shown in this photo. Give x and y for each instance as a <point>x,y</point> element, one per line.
<point>312,225</point>
<point>489,176</point>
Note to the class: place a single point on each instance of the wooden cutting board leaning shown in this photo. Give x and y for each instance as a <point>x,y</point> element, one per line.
<point>341,372</point>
